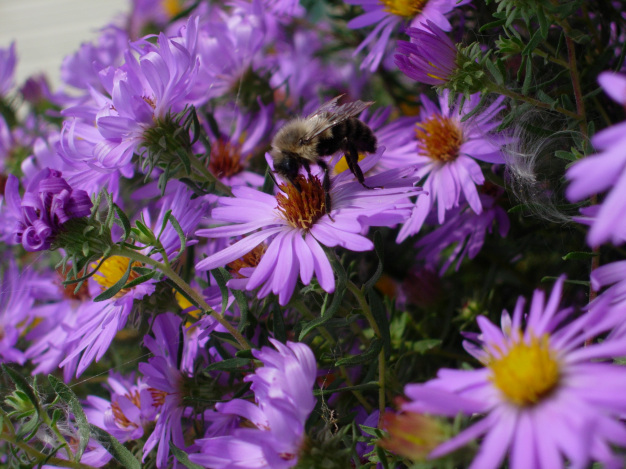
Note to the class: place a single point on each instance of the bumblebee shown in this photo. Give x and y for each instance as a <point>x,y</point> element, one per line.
<point>331,128</point>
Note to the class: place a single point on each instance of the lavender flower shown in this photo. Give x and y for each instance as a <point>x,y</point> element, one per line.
<point>539,392</point>
<point>447,150</point>
<point>430,57</point>
<point>165,384</point>
<point>295,226</point>
<point>284,399</point>
<point>16,301</point>
<point>48,203</point>
<point>467,230</point>
<point>388,15</point>
<point>605,172</point>
<point>8,59</point>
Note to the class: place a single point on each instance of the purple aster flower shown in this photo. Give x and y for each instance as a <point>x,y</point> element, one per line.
<point>539,392</point>
<point>48,203</point>
<point>165,382</point>
<point>447,150</point>
<point>8,59</point>
<point>283,393</point>
<point>389,15</point>
<point>228,48</point>
<point>467,230</point>
<point>16,301</point>
<point>129,412</point>
<point>143,91</point>
<point>605,172</point>
<point>295,226</point>
<point>429,58</point>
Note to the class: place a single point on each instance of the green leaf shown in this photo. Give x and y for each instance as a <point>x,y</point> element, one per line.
<point>370,386</point>
<point>222,276</point>
<point>280,333</point>
<point>230,364</point>
<point>543,22</point>
<point>181,237</point>
<point>116,288</point>
<point>68,396</point>
<point>532,44</point>
<point>380,316</point>
<point>492,25</point>
<point>565,155</point>
<point>422,346</point>
<point>22,385</point>
<point>527,76</point>
<point>114,448</point>
<point>244,310</point>
<point>378,247</point>
<point>369,356</point>
<point>579,256</point>
<point>579,36</point>
<point>183,457</point>
<point>122,220</point>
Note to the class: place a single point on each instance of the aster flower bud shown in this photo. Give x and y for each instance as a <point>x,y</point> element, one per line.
<point>48,204</point>
<point>431,57</point>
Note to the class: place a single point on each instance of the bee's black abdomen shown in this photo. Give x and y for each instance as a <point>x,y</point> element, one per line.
<point>349,132</point>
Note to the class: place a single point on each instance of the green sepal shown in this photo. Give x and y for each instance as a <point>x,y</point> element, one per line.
<point>182,457</point>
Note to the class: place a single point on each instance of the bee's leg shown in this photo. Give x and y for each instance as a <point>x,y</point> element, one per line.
<point>307,166</point>
<point>352,158</point>
<point>326,186</point>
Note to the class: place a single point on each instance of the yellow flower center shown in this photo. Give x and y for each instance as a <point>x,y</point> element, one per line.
<point>404,8</point>
<point>112,270</point>
<point>225,159</point>
<point>342,164</point>
<point>439,138</point>
<point>172,7</point>
<point>302,209</point>
<point>184,303</point>
<point>526,373</point>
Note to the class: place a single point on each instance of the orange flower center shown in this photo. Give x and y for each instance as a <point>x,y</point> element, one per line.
<point>302,209</point>
<point>251,259</point>
<point>225,159</point>
<point>439,138</point>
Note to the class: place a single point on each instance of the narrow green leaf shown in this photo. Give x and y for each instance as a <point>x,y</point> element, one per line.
<point>379,249</point>
<point>565,155</point>
<point>527,77</point>
<point>114,448</point>
<point>369,356</point>
<point>579,256</point>
<point>380,316</point>
<point>116,288</point>
<point>181,236</point>
<point>369,386</point>
<point>533,43</point>
<point>280,333</point>
<point>492,25</point>
<point>495,73</point>
<point>230,364</point>
<point>543,22</point>
<point>222,276</point>
<point>422,346</point>
<point>141,279</point>
<point>244,310</point>
<point>68,396</point>
<point>183,457</point>
<point>122,220</point>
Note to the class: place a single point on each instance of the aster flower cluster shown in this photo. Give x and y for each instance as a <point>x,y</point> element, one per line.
<point>183,288</point>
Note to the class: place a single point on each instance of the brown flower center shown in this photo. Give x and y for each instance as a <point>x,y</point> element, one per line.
<point>302,209</point>
<point>439,138</point>
<point>251,259</point>
<point>225,159</point>
<point>69,291</point>
<point>404,8</point>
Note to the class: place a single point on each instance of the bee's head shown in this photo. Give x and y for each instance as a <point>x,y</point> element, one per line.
<point>286,164</point>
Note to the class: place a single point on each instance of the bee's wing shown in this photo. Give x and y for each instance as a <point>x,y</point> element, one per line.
<point>329,114</point>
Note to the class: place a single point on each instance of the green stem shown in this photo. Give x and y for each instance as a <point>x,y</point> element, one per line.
<point>494,88</point>
<point>367,312</point>
<point>184,286</point>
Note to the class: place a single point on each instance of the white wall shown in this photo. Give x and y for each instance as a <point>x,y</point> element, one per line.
<point>47,30</point>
